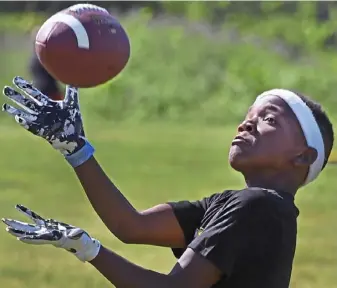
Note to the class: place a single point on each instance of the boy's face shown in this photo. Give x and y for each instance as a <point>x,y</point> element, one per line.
<point>269,138</point>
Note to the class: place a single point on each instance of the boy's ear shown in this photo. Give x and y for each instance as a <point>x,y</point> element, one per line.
<point>306,158</point>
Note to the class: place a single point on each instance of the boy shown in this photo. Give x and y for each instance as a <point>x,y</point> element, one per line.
<point>244,238</point>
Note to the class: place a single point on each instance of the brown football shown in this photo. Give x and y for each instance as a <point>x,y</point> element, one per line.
<point>83,46</point>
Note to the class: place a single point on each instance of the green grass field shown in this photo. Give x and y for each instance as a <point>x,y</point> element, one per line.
<point>155,163</point>
<point>151,164</point>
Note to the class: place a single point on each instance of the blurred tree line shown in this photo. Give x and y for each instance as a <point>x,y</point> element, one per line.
<point>214,12</point>
<point>210,11</point>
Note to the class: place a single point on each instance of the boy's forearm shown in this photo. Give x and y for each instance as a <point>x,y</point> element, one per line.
<point>124,274</point>
<point>113,208</point>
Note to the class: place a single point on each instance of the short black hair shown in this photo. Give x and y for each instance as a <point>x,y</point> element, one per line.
<point>324,124</point>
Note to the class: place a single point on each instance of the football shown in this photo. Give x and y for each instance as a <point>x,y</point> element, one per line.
<point>83,46</point>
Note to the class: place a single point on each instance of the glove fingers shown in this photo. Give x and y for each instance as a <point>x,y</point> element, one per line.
<point>21,117</point>
<point>25,103</point>
<point>49,237</point>
<point>71,96</point>
<point>16,112</point>
<point>76,233</point>
<point>18,225</point>
<point>19,233</point>
<point>30,90</point>
<point>59,225</point>
<point>36,218</point>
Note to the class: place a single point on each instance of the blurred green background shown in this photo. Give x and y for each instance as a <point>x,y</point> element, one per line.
<point>162,128</point>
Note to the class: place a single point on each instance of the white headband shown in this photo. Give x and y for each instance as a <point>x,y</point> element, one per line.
<point>309,126</point>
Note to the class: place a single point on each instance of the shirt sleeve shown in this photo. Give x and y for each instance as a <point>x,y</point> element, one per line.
<point>189,215</point>
<point>240,225</point>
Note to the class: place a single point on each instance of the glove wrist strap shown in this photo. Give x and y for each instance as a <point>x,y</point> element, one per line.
<point>91,252</point>
<point>79,157</point>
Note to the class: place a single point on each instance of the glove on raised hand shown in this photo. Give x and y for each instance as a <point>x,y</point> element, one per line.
<point>58,122</point>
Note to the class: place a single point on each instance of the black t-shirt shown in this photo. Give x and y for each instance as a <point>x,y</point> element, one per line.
<point>250,235</point>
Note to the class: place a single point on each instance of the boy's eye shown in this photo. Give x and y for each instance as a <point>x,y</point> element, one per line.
<point>270,120</point>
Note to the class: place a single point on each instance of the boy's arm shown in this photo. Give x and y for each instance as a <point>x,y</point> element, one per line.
<point>192,270</point>
<point>156,226</point>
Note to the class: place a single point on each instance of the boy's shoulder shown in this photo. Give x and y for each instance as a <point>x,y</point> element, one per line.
<point>252,197</point>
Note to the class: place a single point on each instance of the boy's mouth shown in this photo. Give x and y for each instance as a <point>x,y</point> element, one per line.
<point>239,139</point>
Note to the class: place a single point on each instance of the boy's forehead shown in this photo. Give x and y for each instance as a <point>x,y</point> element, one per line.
<point>273,103</point>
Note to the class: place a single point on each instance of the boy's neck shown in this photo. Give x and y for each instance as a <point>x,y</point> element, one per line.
<point>285,183</point>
